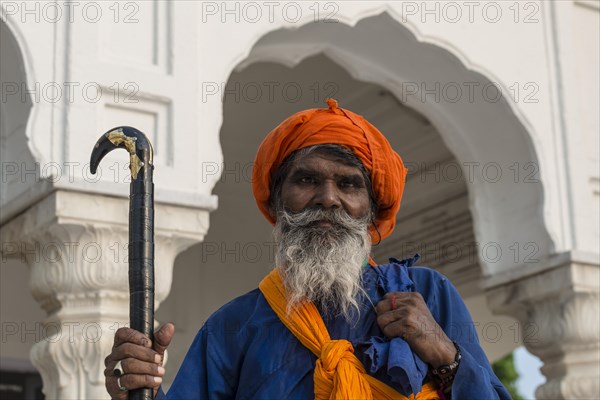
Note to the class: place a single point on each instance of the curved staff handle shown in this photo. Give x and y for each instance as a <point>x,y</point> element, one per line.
<point>141,228</point>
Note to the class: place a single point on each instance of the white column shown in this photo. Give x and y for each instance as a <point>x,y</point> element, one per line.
<point>76,247</point>
<point>559,309</point>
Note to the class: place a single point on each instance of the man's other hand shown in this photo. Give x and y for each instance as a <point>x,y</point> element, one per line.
<point>405,315</point>
<point>141,360</point>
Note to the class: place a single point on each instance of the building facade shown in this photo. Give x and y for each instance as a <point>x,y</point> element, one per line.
<point>493,107</point>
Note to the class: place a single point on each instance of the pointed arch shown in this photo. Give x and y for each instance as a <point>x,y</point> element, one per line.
<point>484,130</point>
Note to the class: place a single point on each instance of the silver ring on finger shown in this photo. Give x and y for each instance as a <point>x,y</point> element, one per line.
<point>118,369</point>
<point>121,387</point>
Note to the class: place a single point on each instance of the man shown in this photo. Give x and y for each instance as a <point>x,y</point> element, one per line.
<point>327,322</point>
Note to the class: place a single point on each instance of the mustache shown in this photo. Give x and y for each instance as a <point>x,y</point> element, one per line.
<point>308,217</point>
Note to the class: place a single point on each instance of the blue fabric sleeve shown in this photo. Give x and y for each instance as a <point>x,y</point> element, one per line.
<point>160,395</point>
<point>202,374</point>
<point>190,382</point>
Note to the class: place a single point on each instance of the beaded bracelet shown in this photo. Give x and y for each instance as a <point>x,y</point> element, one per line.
<point>444,374</point>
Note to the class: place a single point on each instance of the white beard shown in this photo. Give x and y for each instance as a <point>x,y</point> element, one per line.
<point>323,264</point>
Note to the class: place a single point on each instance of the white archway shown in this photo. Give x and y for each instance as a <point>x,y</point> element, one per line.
<point>22,181</point>
<point>471,111</point>
<point>15,111</point>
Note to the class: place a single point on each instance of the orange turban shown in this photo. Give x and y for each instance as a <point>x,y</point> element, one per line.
<point>334,125</point>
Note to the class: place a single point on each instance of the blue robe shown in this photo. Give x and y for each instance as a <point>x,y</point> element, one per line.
<point>243,351</point>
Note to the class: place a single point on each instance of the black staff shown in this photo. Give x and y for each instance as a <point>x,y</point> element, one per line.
<point>141,228</point>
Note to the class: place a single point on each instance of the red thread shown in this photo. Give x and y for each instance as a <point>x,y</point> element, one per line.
<point>393,301</point>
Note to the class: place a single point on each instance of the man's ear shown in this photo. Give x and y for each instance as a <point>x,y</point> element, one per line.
<point>374,232</point>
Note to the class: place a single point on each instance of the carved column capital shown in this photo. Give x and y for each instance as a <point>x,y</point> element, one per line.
<point>559,310</point>
<point>76,247</point>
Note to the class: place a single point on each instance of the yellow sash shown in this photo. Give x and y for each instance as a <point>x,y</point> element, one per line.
<point>338,373</point>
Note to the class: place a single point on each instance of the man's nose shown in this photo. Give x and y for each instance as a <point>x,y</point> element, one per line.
<point>327,195</point>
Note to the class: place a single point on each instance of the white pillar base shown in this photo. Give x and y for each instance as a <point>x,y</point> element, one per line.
<point>559,310</point>
<point>76,247</point>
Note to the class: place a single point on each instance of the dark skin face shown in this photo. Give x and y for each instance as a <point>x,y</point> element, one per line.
<point>318,180</point>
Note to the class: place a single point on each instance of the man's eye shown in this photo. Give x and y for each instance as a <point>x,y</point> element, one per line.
<point>307,180</point>
<point>350,184</point>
